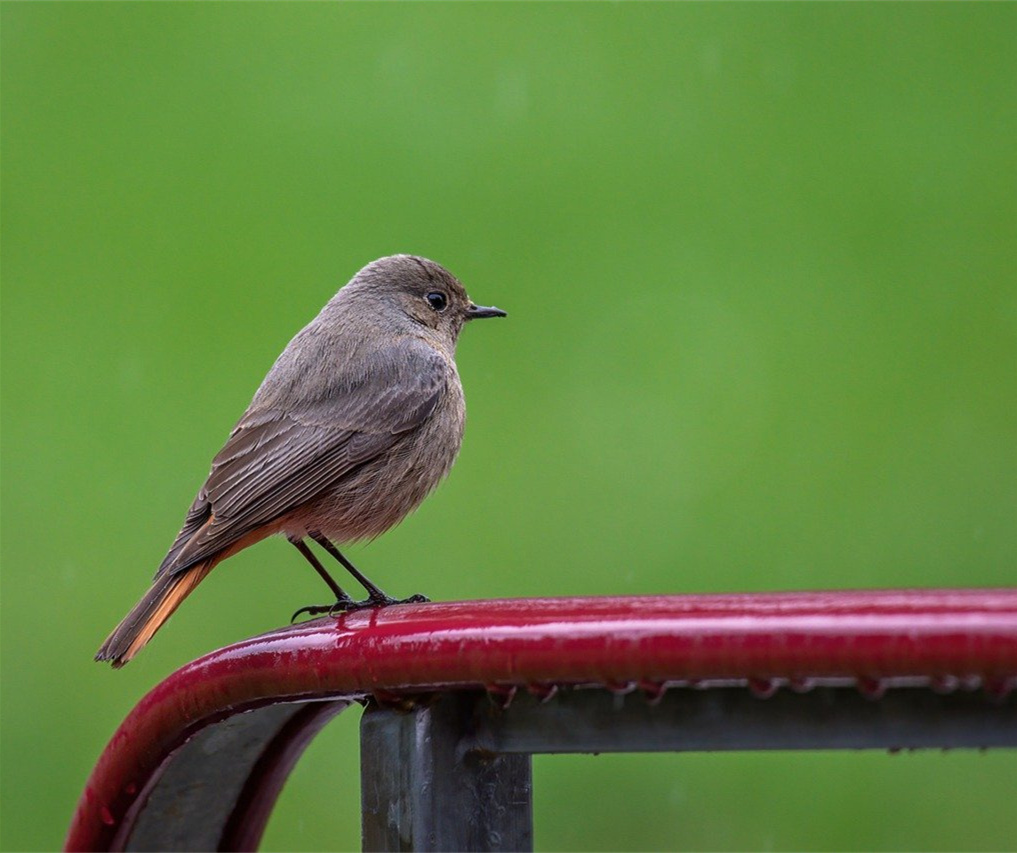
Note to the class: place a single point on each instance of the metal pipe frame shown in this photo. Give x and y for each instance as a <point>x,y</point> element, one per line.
<point>454,773</point>
<point>460,694</point>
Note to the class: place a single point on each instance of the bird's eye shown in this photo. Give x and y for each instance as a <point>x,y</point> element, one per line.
<point>436,299</point>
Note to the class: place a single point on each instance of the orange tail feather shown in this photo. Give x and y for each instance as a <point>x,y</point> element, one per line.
<point>148,615</point>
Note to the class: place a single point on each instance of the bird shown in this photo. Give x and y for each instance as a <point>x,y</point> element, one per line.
<point>358,420</point>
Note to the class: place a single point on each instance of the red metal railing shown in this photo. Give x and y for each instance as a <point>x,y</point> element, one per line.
<point>307,673</point>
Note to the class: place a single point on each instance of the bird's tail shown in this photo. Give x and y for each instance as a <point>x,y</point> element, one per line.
<point>147,616</point>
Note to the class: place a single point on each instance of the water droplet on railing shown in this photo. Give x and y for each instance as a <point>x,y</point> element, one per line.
<point>763,688</point>
<point>871,688</point>
<point>501,694</point>
<point>653,691</point>
<point>543,692</point>
<point>998,689</point>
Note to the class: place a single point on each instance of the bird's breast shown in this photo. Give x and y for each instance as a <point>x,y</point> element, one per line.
<point>385,490</point>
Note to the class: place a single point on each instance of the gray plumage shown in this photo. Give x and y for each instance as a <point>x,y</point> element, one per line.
<point>358,420</point>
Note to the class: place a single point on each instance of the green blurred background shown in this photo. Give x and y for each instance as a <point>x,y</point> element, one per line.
<point>760,266</point>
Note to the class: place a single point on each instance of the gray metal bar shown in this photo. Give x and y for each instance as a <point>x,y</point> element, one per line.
<point>216,791</point>
<point>456,775</point>
<point>198,783</point>
<point>423,788</point>
<point>732,718</point>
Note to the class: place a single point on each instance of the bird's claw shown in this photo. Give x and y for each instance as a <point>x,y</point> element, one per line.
<point>332,609</point>
<point>388,601</point>
<point>347,605</point>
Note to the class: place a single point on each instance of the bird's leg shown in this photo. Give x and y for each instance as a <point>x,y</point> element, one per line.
<point>375,596</point>
<point>342,599</point>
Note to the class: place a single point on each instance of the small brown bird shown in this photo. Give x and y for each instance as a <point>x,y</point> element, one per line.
<point>356,423</point>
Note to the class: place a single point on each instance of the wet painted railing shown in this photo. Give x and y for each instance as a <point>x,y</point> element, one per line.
<point>459,695</point>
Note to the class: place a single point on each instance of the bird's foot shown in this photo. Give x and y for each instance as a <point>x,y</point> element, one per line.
<point>383,600</point>
<point>348,605</point>
<point>341,606</point>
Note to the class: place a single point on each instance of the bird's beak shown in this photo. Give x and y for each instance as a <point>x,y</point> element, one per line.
<point>478,312</point>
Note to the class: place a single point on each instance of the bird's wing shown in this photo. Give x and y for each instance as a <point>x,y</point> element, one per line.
<point>274,461</point>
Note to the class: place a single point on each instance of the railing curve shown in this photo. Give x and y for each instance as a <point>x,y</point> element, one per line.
<point>218,737</point>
